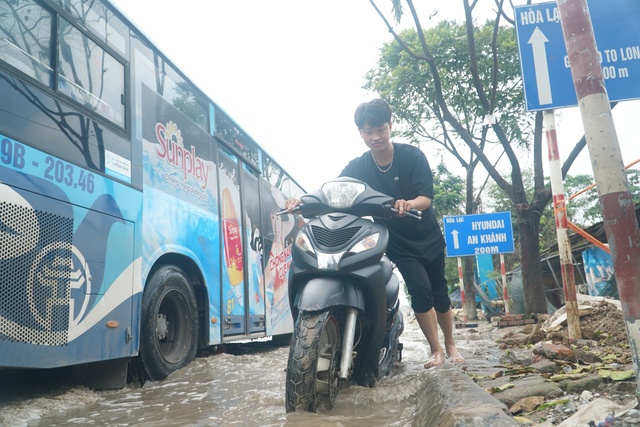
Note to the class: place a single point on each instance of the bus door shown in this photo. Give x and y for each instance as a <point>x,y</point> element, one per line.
<point>277,238</point>
<point>232,254</point>
<point>254,277</point>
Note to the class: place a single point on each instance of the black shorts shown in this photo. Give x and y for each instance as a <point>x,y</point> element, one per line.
<point>426,284</point>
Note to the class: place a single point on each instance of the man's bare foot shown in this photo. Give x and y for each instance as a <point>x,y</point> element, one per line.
<point>454,355</point>
<point>436,359</point>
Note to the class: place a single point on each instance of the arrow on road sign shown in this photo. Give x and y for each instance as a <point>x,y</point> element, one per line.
<point>543,83</point>
<point>456,244</point>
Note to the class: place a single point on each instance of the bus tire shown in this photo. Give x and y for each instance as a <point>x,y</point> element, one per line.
<point>169,323</point>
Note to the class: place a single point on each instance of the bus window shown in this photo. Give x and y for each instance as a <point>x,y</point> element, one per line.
<point>236,138</point>
<point>25,39</point>
<point>101,21</point>
<point>273,173</point>
<point>89,75</point>
<point>181,94</point>
<point>277,177</point>
<point>295,190</point>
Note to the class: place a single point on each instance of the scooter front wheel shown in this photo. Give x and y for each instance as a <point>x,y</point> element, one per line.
<point>312,368</point>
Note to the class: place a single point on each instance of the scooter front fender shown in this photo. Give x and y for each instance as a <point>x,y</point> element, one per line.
<point>323,292</point>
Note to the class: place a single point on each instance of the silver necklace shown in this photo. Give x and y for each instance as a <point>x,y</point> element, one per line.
<point>378,166</point>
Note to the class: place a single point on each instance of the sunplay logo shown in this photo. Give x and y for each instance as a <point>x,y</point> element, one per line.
<point>172,149</point>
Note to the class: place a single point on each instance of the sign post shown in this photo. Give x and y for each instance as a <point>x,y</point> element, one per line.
<point>505,293</point>
<point>478,234</point>
<point>463,298</point>
<point>560,213</point>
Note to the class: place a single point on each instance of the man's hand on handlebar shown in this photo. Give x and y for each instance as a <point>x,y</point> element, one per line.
<point>403,207</point>
<point>291,203</point>
<point>290,206</point>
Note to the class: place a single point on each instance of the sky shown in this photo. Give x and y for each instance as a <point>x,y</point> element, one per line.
<point>290,73</point>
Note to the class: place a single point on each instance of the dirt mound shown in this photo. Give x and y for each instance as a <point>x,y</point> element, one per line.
<point>603,347</point>
<point>601,325</point>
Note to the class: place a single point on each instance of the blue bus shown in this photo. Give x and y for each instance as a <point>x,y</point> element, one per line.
<point>137,220</point>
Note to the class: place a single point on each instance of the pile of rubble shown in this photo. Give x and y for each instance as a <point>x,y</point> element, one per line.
<point>545,379</point>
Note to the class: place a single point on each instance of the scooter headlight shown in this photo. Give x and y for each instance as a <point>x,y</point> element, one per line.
<point>302,241</point>
<point>367,243</point>
<point>342,194</point>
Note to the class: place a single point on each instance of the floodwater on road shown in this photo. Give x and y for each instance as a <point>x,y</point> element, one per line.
<point>244,387</point>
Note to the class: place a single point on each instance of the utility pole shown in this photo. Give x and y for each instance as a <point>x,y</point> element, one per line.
<point>618,212</point>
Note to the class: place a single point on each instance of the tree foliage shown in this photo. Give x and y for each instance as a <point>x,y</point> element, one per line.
<point>449,192</point>
<point>583,206</point>
<point>467,92</point>
<point>448,201</point>
<point>408,84</point>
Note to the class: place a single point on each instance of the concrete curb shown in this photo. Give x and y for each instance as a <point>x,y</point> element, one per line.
<point>452,399</point>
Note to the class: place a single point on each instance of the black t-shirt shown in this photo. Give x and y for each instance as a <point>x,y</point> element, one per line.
<point>409,176</point>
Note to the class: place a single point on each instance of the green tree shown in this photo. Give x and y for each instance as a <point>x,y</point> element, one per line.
<point>458,88</point>
<point>583,207</point>
<point>449,192</point>
<point>448,201</point>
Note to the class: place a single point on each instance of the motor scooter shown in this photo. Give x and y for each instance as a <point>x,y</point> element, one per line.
<point>343,294</point>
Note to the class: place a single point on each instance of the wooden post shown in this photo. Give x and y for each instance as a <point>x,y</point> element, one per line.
<point>505,293</point>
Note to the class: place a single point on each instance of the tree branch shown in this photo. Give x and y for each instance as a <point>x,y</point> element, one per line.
<point>397,37</point>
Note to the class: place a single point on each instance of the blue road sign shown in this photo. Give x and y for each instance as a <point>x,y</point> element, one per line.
<point>543,56</point>
<point>478,234</point>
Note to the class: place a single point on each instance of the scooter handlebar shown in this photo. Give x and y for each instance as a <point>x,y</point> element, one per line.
<point>285,211</point>
<point>414,213</point>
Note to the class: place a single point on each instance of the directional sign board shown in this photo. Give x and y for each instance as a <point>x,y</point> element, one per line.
<point>478,234</point>
<point>543,56</point>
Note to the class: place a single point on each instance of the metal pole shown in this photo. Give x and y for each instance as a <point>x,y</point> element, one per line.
<point>618,213</point>
<point>505,293</point>
<point>462,298</point>
<point>560,212</point>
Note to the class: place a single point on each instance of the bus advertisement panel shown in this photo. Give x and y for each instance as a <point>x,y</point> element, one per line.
<point>180,194</point>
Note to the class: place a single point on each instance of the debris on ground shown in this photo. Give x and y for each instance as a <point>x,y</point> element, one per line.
<point>546,379</point>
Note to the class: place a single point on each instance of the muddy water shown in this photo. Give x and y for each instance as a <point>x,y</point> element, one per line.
<point>245,389</point>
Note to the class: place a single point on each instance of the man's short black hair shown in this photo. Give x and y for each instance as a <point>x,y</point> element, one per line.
<point>373,113</point>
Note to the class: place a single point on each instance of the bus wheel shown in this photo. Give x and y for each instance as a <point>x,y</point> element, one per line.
<point>169,323</point>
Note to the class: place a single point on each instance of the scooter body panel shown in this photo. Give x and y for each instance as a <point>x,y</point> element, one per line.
<point>320,293</point>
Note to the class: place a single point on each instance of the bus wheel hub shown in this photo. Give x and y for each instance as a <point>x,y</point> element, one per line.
<point>162,326</point>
